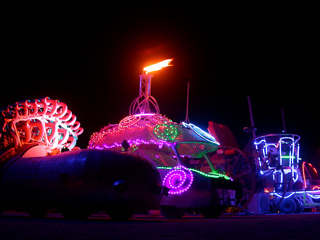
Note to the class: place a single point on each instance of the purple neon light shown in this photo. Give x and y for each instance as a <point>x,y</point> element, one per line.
<point>178,180</point>
<point>137,142</point>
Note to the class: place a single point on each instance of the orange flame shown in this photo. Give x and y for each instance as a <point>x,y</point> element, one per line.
<point>158,66</point>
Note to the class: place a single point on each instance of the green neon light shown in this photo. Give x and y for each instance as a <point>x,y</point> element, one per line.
<point>288,157</point>
<point>210,175</point>
<point>166,132</point>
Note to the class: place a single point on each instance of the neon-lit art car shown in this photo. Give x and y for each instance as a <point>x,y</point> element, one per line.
<point>281,181</point>
<point>291,184</point>
<point>177,150</point>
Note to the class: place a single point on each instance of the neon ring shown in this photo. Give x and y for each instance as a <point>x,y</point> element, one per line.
<point>178,180</point>
<point>129,121</point>
<point>166,132</point>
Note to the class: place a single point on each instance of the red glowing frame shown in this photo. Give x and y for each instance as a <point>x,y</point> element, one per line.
<point>41,120</point>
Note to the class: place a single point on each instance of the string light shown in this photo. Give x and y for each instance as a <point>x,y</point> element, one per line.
<point>166,132</point>
<point>134,143</point>
<point>178,180</point>
<point>209,175</point>
<point>131,122</point>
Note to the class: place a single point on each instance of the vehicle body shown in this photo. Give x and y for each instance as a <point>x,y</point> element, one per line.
<point>41,170</point>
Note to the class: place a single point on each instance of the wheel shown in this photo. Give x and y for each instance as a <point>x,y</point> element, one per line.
<point>76,213</point>
<point>38,212</point>
<point>274,180</point>
<point>288,205</point>
<point>299,208</point>
<point>211,212</point>
<point>172,212</point>
<point>120,213</point>
<point>236,165</point>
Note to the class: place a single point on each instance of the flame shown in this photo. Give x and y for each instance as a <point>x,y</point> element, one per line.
<point>158,66</point>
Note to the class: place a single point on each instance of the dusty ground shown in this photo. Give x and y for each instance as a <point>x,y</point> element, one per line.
<point>276,226</point>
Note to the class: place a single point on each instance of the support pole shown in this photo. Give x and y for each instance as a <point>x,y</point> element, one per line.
<point>283,121</point>
<point>187,108</point>
<point>251,118</point>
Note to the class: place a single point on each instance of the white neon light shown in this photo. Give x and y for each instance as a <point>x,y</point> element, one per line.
<point>309,193</point>
<point>206,136</point>
<point>280,196</point>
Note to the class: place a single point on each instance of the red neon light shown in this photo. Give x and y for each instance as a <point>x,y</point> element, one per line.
<point>41,120</point>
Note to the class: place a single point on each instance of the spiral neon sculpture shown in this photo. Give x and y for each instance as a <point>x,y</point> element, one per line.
<point>178,180</point>
<point>42,120</point>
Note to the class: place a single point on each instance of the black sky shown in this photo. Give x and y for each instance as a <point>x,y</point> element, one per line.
<point>90,57</point>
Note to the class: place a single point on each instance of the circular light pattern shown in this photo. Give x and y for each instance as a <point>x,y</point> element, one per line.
<point>129,120</point>
<point>178,180</point>
<point>166,132</point>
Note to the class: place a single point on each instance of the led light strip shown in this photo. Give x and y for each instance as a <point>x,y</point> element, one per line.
<point>209,175</point>
<point>178,180</point>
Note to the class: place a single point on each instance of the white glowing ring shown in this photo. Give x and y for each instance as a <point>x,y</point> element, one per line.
<point>206,136</point>
<point>178,180</point>
<point>129,121</point>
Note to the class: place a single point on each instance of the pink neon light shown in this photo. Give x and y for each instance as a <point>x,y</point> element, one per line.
<point>128,123</point>
<point>178,180</point>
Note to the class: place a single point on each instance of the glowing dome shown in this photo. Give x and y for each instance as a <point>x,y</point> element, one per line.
<point>155,132</point>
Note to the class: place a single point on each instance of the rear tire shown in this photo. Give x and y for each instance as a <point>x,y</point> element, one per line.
<point>76,213</point>
<point>172,212</point>
<point>120,213</point>
<point>38,212</point>
<point>211,212</point>
<point>299,208</point>
<point>288,205</point>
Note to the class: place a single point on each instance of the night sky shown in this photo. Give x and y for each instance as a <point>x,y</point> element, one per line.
<point>90,57</point>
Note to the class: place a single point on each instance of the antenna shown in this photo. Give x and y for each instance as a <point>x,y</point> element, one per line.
<point>252,128</point>
<point>283,121</point>
<point>187,108</point>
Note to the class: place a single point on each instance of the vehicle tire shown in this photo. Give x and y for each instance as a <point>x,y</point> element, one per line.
<point>120,214</point>
<point>299,208</point>
<point>288,205</point>
<point>172,212</point>
<point>236,165</point>
<point>211,212</point>
<point>76,213</point>
<point>38,212</point>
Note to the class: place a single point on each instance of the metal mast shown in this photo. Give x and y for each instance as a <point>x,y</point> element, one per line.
<point>144,103</point>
